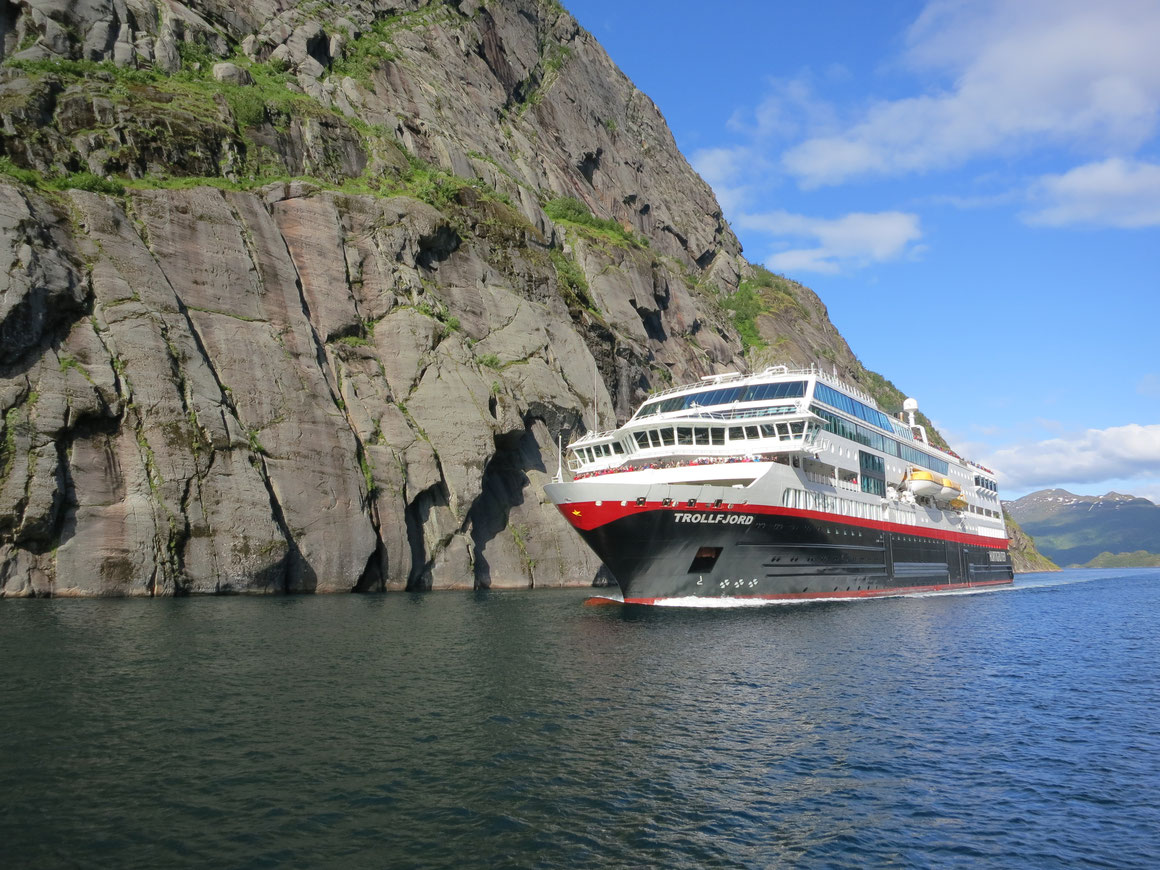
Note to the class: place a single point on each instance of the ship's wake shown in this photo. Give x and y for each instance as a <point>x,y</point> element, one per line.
<point>1027,581</point>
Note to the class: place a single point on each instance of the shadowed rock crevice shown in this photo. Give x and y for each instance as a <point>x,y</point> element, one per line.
<point>509,544</point>
<point>589,162</point>
<point>430,526</point>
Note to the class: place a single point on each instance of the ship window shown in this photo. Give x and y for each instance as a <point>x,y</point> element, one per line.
<point>705,559</point>
<point>684,435</point>
<point>751,432</point>
<point>617,448</point>
<point>667,436</point>
<point>736,433</point>
<point>783,431</point>
<point>767,430</point>
<point>641,439</point>
<point>718,435</point>
<point>797,428</point>
<point>784,390</point>
<point>701,436</point>
<point>654,437</point>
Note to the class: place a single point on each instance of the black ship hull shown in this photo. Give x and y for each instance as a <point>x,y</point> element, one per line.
<point>773,553</point>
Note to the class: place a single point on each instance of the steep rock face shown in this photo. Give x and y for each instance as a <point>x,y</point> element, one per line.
<point>207,428</point>
<point>221,380</point>
<point>1025,557</point>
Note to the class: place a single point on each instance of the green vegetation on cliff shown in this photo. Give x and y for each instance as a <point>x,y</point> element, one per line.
<point>566,210</point>
<point>763,293</point>
<point>1025,558</point>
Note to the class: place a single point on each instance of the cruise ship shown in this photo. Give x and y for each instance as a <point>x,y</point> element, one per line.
<point>788,484</point>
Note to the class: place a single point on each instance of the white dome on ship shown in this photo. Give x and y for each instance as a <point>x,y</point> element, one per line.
<point>910,405</point>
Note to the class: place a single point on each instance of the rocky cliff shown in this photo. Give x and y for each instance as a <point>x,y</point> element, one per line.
<point>300,296</point>
<point>1025,557</point>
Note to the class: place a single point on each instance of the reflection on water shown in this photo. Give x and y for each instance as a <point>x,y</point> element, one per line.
<point>1016,726</point>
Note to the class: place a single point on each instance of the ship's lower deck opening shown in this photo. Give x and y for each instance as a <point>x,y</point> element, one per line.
<point>705,559</point>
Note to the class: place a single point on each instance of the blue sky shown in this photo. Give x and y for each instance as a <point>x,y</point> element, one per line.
<point>972,188</point>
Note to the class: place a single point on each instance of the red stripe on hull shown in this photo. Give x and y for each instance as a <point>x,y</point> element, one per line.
<point>865,593</point>
<point>589,515</point>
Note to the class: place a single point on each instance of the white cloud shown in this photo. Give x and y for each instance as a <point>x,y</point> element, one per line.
<point>725,169</point>
<point>791,108</point>
<point>1114,192</point>
<point>1023,72</point>
<point>1119,453</point>
<point>854,240</point>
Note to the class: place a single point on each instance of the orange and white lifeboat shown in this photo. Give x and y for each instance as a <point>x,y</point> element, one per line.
<point>923,483</point>
<point>949,492</point>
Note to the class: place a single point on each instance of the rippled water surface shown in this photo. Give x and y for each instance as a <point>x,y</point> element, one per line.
<point>1012,728</point>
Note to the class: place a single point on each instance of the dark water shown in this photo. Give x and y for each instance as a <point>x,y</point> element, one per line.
<point>1013,728</point>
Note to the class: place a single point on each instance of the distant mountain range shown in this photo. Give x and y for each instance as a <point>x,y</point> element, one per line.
<point>1075,529</point>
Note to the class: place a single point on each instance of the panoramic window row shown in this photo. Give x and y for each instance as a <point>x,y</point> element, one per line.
<point>852,407</point>
<point>857,432</point>
<point>715,436</point>
<point>724,396</point>
<point>600,451</point>
<point>985,483</point>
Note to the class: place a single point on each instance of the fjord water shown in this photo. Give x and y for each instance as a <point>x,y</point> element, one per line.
<point>1015,727</point>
